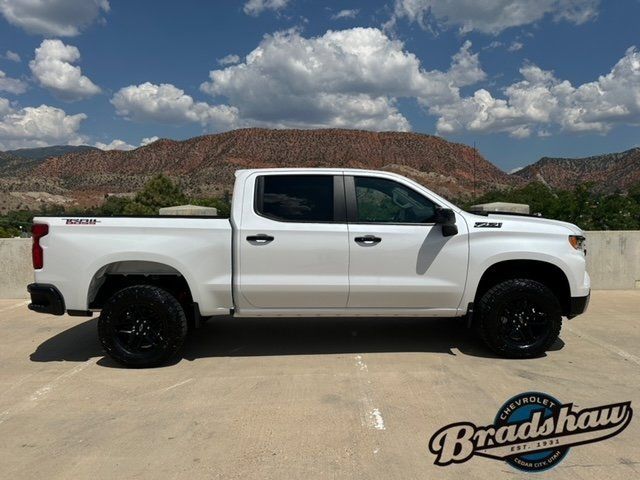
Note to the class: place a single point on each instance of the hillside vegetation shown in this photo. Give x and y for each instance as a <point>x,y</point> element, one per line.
<point>588,208</point>
<point>583,206</point>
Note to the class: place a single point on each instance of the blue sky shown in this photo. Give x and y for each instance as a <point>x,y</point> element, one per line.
<point>522,79</point>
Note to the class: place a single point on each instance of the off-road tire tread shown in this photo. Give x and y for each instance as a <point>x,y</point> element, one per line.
<point>490,302</point>
<point>176,318</point>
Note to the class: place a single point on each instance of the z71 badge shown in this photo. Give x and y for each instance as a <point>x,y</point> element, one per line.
<point>488,225</point>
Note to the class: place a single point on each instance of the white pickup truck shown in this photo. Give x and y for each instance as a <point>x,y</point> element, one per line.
<point>312,242</point>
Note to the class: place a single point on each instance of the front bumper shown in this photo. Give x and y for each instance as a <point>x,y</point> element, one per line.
<point>45,298</point>
<point>578,305</point>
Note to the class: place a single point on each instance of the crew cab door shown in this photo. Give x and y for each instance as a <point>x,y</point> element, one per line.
<point>399,258</point>
<point>292,242</point>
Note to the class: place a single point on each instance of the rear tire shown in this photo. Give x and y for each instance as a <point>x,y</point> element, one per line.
<point>142,326</point>
<point>519,318</point>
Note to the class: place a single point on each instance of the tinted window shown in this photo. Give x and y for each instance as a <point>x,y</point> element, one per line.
<point>381,200</point>
<point>302,198</point>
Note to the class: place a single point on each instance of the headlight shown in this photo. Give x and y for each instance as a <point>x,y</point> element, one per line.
<point>578,242</point>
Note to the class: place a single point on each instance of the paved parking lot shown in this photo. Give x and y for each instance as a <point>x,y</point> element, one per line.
<point>298,398</point>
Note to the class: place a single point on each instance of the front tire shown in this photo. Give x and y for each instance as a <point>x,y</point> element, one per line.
<point>142,326</point>
<point>519,318</point>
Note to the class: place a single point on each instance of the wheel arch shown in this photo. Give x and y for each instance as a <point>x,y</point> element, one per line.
<point>119,274</point>
<point>549,274</point>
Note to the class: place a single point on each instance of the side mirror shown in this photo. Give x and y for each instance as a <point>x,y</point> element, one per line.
<point>447,218</point>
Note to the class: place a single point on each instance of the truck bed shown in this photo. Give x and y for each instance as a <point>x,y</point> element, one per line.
<point>197,248</point>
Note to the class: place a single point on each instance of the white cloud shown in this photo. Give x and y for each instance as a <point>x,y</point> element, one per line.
<point>348,78</point>
<point>11,85</point>
<point>256,7</point>
<point>515,46</point>
<point>540,102</point>
<point>61,18</point>
<point>465,68</point>
<point>13,56</point>
<point>118,144</point>
<point>148,140</point>
<point>230,59</point>
<point>53,68</point>
<point>5,107</point>
<point>37,126</point>
<point>490,16</point>
<point>166,103</point>
<point>346,14</point>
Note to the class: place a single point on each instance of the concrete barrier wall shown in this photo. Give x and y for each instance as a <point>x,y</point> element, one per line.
<point>16,271</point>
<point>613,261</point>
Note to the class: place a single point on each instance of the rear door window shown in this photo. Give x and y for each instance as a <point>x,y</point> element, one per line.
<point>296,198</point>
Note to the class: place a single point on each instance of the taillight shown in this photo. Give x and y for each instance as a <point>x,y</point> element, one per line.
<point>38,230</point>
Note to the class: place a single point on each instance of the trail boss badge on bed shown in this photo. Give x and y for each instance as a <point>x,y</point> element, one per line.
<point>532,432</point>
<point>81,221</point>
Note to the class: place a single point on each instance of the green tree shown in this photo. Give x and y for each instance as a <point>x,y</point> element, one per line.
<point>583,206</point>
<point>634,193</point>
<point>159,192</point>
<point>9,231</point>
<point>221,204</point>
<point>137,208</point>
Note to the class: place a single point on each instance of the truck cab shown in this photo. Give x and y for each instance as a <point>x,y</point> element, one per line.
<point>335,242</point>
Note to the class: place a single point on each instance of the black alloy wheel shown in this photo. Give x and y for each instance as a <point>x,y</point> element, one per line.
<point>519,318</point>
<point>142,326</point>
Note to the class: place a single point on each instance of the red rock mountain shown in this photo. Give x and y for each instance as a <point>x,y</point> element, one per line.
<point>205,165</point>
<point>609,173</point>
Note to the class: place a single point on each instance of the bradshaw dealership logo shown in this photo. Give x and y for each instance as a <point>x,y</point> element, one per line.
<point>532,432</point>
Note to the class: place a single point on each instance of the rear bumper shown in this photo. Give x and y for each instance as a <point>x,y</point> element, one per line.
<point>578,305</point>
<point>46,298</point>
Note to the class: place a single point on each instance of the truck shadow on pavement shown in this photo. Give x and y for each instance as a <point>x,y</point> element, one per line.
<point>234,337</point>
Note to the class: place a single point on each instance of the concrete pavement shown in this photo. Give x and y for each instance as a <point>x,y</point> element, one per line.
<point>298,398</point>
